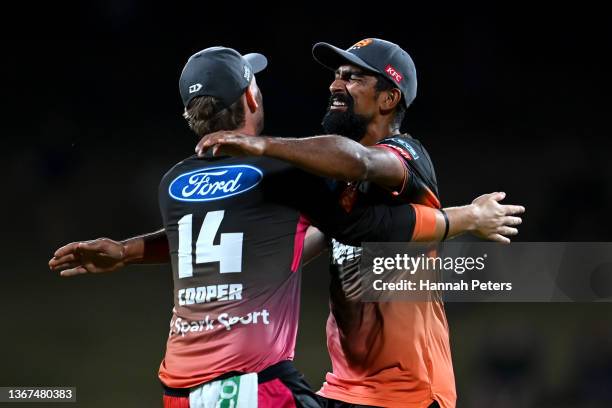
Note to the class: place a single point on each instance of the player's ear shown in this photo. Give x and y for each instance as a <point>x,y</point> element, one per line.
<point>389,99</point>
<point>251,100</point>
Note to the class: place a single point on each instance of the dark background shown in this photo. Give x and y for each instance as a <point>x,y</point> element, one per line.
<point>510,99</point>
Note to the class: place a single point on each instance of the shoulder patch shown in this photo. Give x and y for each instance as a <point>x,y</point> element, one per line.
<point>403,143</point>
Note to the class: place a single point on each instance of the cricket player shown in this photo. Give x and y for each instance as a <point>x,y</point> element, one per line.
<point>235,239</point>
<point>394,354</point>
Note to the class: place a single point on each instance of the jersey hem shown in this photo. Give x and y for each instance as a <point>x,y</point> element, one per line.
<point>361,400</point>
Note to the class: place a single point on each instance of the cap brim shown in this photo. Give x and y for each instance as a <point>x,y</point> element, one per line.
<point>332,57</point>
<point>258,61</point>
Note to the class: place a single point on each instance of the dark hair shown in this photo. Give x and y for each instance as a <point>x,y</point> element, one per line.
<point>205,114</point>
<point>383,84</point>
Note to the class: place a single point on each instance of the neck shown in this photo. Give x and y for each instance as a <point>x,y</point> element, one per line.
<point>248,129</point>
<point>378,129</point>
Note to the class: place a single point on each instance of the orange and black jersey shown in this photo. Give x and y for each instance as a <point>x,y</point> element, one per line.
<point>391,354</point>
<point>420,185</point>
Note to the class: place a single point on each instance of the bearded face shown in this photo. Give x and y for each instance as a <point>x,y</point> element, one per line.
<point>341,118</point>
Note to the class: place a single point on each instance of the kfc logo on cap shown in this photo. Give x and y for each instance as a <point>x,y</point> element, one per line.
<point>393,73</point>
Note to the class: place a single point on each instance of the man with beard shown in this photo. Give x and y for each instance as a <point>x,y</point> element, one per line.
<point>393,354</point>
<point>192,357</point>
<point>235,240</point>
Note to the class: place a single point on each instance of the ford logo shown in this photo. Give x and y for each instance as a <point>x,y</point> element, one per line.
<point>214,183</point>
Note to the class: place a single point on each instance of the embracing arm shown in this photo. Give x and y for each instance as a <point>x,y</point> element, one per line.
<point>105,255</point>
<point>151,248</point>
<point>338,158</point>
<point>329,156</point>
<point>485,218</point>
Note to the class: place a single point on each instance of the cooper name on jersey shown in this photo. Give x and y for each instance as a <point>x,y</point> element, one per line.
<point>214,183</point>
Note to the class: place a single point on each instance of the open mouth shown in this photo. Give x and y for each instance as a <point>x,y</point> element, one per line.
<point>338,103</point>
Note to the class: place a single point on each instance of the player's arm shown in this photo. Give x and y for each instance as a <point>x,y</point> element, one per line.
<point>330,156</point>
<point>106,255</point>
<point>315,199</point>
<point>314,244</point>
<point>485,217</point>
<point>461,219</point>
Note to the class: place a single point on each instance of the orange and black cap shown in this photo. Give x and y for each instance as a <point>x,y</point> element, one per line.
<point>376,55</point>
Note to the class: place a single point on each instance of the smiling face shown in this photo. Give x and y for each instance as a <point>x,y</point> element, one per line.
<point>357,83</point>
<point>353,102</point>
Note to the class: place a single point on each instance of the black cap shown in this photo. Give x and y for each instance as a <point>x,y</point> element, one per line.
<point>373,54</point>
<point>220,72</point>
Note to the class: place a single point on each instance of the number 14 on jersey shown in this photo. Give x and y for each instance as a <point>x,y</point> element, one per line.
<point>228,253</point>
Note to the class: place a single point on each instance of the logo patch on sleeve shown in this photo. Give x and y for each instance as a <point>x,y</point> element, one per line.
<point>408,147</point>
